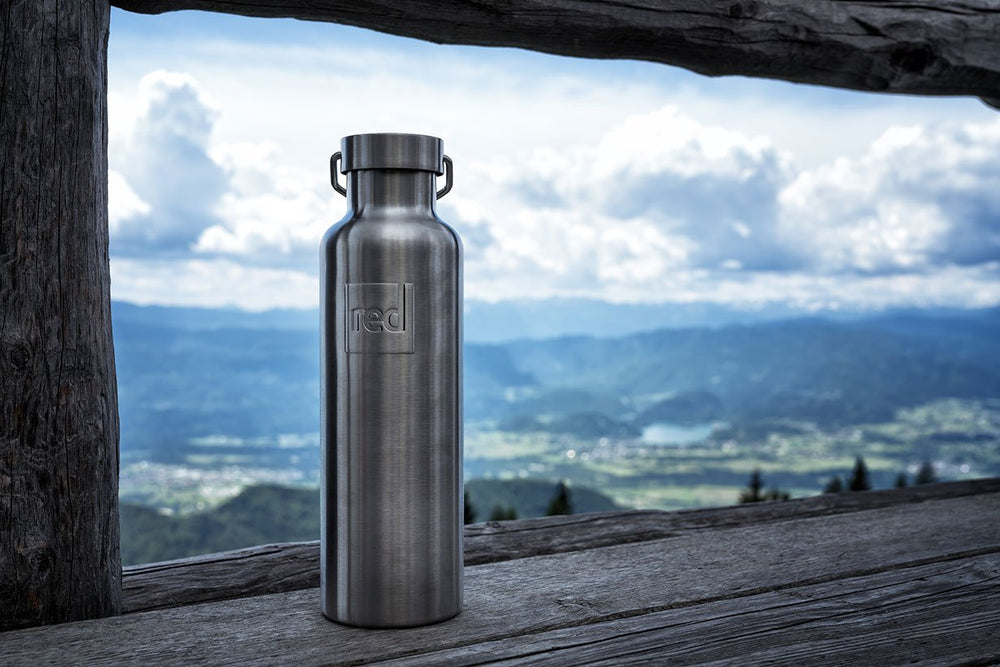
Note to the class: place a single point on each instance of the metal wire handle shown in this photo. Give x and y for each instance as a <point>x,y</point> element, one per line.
<point>449,169</point>
<point>334,159</point>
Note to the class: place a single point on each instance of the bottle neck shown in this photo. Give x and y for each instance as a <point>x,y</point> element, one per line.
<point>410,189</point>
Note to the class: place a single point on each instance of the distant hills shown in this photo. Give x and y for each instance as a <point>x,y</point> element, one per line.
<point>503,321</point>
<point>828,372</point>
<point>266,514</point>
<point>186,373</point>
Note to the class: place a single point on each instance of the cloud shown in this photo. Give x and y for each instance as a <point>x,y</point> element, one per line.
<point>214,283</point>
<point>660,207</point>
<point>664,207</point>
<point>953,286</point>
<point>177,193</point>
<point>715,187</point>
<point>919,198</point>
<point>165,164</point>
<point>123,202</point>
<point>658,195</point>
<point>272,214</point>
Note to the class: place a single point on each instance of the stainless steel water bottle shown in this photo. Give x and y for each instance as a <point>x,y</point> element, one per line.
<point>391,304</point>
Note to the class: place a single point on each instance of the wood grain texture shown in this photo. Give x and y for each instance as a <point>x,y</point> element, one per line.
<point>285,567</point>
<point>260,570</point>
<point>880,570</point>
<point>940,612</point>
<point>59,558</point>
<point>912,46</point>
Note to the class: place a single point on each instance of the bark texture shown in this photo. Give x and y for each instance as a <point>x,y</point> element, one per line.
<point>59,558</point>
<point>902,46</point>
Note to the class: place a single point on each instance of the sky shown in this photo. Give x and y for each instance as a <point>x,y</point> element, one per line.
<point>623,181</point>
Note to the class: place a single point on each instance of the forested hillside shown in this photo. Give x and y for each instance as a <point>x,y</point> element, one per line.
<point>266,513</point>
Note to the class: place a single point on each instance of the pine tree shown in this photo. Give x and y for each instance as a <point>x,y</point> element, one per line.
<point>776,494</point>
<point>859,476</point>
<point>561,503</point>
<point>900,480</point>
<point>835,485</point>
<point>926,474</point>
<point>501,513</point>
<point>752,493</point>
<point>470,510</point>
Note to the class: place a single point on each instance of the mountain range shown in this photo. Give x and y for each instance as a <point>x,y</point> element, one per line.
<point>502,321</point>
<point>187,372</point>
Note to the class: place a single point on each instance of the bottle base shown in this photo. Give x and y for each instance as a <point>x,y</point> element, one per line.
<point>383,624</point>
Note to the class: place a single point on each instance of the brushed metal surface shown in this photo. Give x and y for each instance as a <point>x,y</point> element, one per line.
<point>391,403</point>
<point>392,151</point>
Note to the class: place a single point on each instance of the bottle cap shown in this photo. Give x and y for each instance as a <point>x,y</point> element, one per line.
<point>392,151</point>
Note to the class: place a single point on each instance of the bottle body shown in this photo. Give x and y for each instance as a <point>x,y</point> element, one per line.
<point>391,304</point>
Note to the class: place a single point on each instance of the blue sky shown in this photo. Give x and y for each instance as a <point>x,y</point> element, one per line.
<point>623,181</point>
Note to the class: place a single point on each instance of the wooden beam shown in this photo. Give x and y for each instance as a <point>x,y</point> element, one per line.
<point>276,568</point>
<point>58,400</point>
<point>925,47</point>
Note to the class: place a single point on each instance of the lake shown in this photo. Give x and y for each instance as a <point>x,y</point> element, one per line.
<point>676,434</point>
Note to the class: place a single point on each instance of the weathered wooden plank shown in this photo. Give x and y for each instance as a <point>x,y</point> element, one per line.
<point>285,567</point>
<point>261,570</point>
<point>911,46</point>
<point>544,593</point>
<point>944,612</point>
<point>495,541</point>
<point>58,399</point>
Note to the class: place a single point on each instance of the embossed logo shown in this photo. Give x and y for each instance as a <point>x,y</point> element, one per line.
<point>379,318</point>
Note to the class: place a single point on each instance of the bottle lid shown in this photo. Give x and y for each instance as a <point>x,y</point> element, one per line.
<point>392,151</point>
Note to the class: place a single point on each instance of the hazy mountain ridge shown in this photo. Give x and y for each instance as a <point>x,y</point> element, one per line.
<point>178,382</point>
<point>810,368</point>
<point>537,319</point>
<point>201,318</point>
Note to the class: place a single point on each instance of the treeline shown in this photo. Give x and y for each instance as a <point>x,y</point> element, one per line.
<point>857,480</point>
<point>561,504</point>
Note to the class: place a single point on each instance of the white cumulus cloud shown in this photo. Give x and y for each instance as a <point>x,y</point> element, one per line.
<point>215,283</point>
<point>123,202</point>
<point>921,198</point>
<point>272,213</point>
<point>660,207</point>
<point>658,195</point>
<point>165,163</point>
<point>176,192</point>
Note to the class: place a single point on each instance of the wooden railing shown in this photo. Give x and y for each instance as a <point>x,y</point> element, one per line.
<point>894,577</point>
